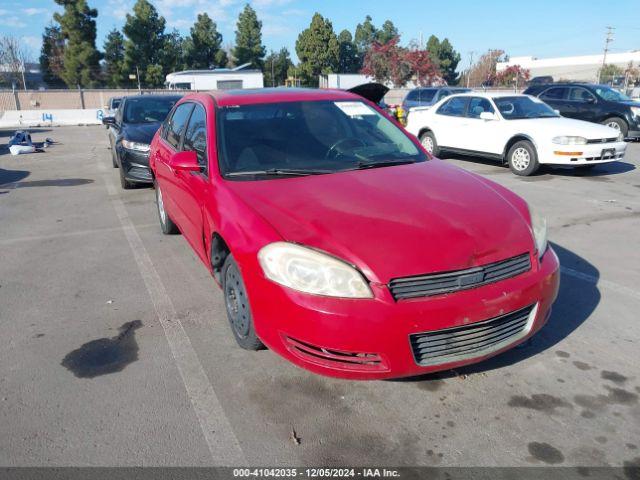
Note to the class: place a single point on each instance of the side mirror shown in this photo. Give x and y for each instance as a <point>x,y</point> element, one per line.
<point>557,111</point>
<point>488,116</point>
<point>186,161</point>
<point>108,120</point>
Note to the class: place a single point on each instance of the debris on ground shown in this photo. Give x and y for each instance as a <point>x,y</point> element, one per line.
<point>294,437</point>
<point>21,143</point>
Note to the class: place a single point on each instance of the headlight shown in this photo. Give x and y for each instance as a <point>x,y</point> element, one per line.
<point>539,228</point>
<point>636,111</point>
<point>138,147</point>
<point>568,140</point>
<point>309,271</point>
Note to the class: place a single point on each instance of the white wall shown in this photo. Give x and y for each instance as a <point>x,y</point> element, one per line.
<point>36,118</point>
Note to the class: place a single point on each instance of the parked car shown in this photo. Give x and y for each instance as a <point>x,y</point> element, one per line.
<point>516,129</point>
<point>428,96</point>
<point>111,106</point>
<point>340,243</point>
<point>593,103</point>
<point>131,130</point>
<point>541,80</point>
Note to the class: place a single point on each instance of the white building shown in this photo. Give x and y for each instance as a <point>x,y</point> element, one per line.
<point>345,81</point>
<point>217,79</point>
<point>581,68</point>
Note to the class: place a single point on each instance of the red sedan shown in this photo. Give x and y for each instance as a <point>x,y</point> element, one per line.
<point>339,243</point>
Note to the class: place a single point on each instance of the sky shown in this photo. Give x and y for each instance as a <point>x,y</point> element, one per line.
<point>541,29</point>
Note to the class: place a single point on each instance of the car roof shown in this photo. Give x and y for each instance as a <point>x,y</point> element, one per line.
<point>489,94</point>
<point>250,96</point>
<point>156,96</point>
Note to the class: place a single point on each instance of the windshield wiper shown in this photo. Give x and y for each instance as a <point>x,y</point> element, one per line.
<point>279,171</point>
<point>387,163</point>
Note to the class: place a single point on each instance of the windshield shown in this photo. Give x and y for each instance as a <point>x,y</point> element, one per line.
<point>311,137</point>
<point>147,110</point>
<point>515,108</point>
<point>611,95</point>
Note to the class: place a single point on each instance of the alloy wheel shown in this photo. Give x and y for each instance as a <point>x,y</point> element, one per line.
<point>427,143</point>
<point>520,158</point>
<point>615,125</point>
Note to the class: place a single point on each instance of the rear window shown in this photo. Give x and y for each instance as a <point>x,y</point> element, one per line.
<point>422,94</point>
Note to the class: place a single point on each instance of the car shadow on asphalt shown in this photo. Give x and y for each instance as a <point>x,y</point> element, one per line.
<point>8,177</point>
<point>577,299</point>
<point>613,168</point>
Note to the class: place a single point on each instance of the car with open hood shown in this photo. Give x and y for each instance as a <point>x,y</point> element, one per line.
<point>340,243</point>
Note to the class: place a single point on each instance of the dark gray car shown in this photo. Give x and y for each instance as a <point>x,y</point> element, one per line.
<point>427,96</point>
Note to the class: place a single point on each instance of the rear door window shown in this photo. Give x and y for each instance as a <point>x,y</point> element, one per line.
<point>177,123</point>
<point>555,93</point>
<point>455,107</point>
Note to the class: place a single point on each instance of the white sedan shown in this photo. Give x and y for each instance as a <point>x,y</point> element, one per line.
<point>516,129</point>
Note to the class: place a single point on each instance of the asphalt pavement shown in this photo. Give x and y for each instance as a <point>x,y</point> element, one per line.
<point>116,351</point>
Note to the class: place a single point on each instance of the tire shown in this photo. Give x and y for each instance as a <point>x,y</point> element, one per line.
<point>166,224</point>
<point>124,183</point>
<point>617,123</point>
<point>428,141</point>
<point>523,158</point>
<point>114,161</point>
<point>237,304</point>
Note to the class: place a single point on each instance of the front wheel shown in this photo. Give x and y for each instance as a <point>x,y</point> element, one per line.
<point>618,124</point>
<point>428,141</point>
<point>523,159</point>
<point>238,308</point>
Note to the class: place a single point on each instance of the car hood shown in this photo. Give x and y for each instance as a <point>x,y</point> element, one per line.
<point>396,221</point>
<point>374,92</point>
<point>140,132</point>
<point>631,103</point>
<point>556,126</point>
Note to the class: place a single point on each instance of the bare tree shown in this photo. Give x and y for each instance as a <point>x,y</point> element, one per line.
<point>13,59</point>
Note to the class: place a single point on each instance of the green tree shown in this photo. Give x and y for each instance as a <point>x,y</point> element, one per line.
<point>609,71</point>
<point>387,32</point>
<point>114,59</point>
<point>172,56</point>
<point>203,49</point>
<point>318,50</point>
<point>145,40</point>
<point>52,55</point>
<point>276,68</point>
<point>348,61</point>
<point>365,35</point>
<point>445,58</point>
<point>81,66</point>
<point>249,48</point>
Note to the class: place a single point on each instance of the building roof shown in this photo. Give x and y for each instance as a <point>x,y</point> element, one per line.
<point>244,68</point>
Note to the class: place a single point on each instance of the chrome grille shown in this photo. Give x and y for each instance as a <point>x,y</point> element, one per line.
<point>469,341</point>
<point>439,283</point>
<point>602,140</point>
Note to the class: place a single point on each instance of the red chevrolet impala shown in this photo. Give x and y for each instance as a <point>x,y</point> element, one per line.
<point>339,243</point>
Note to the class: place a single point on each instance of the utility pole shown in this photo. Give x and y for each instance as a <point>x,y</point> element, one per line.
<point>138,75</point>
<point>607,41</point>
<point>470,65</point>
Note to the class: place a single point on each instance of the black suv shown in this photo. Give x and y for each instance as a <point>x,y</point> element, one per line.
<point>593,103</point>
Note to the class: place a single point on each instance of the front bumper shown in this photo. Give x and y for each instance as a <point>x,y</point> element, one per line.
<point>135,165</point>
<point>325,334</point>
<point>592,153</point>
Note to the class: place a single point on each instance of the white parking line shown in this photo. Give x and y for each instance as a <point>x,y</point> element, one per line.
<point>603,283</point>
<point>220,438</point>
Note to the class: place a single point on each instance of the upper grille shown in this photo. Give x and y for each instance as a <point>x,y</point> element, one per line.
<point>469,341</point>
<point>603,140</point>
<point>435,284</point>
